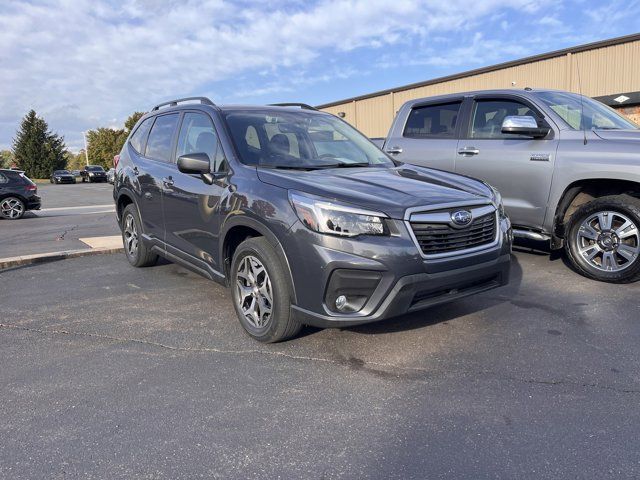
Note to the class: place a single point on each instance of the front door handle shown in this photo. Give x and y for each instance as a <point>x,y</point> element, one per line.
<point>394,150</point>
<point>468,151</point>
<point>168,181</point>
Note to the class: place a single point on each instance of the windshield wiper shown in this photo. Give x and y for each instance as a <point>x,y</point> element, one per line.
<point>346,165</point>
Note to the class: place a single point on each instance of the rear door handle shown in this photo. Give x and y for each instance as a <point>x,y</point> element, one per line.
<point>394,150</point>
<point>168,181</point>
<point>468,151</point>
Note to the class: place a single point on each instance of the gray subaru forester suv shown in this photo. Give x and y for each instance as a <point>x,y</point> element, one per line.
<point>567,166</point>
<point>302,216</point>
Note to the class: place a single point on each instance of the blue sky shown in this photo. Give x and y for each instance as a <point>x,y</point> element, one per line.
<point>82,64</point>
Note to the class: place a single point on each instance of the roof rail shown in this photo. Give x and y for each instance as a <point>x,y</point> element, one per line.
<point>174,103</point>
<point>304,106</point>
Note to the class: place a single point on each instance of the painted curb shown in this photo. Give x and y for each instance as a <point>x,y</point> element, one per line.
<point>12,262</point>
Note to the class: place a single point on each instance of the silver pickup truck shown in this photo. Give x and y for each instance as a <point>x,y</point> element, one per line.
<point>567,166</point>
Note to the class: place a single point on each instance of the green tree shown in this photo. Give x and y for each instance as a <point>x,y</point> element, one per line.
<point>103,144</point>
<point>6,158</point>
<point>132,120</point>
<point>37,150</point>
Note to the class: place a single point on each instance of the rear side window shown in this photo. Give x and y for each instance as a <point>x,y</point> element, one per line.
<point>488,116</point>
<point>433,121</point>
<point>161,137</point>
<point>140,135</point>
<point>3,179</point>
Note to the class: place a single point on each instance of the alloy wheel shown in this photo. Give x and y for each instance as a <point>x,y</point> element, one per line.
<point>608,241</point>
<point>130,236</point>
<point>11,208</point>
<point>254,293</point>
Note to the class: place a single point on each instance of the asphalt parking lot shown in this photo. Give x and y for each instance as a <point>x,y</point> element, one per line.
<point>114,372</point>
<point>69,212</point>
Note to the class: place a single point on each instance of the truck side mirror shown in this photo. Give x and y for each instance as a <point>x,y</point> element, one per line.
<point>523,125</point>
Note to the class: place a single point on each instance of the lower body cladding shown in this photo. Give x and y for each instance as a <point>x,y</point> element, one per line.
<point>367,279</point>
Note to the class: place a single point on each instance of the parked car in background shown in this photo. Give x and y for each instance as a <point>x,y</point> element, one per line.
<point>567,166</point>
<point>303,217</point>
<point>93,173</point>
<point>62,176</point>
<point>17,194</point>
<point>110,175</point>
<point>75,173</point>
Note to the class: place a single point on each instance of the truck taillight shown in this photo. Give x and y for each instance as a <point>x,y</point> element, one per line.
<point>116,159</point>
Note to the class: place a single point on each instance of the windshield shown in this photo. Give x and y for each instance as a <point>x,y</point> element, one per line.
<point>93,168</point>
<point>300,140</point>
<point>61,172</point>
<point>596,115</point>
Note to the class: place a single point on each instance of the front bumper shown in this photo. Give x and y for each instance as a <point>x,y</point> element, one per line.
<point>419,291</point>
<point>406,281</point>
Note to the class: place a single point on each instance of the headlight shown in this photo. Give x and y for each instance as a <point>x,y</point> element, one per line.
<point>497,200</point>
<point>321,215</point>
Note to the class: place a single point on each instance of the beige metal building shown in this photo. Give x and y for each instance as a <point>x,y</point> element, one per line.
<point>608,71</point>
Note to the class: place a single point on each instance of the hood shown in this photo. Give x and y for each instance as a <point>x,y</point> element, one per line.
<point>632,135</point>
<point>389,190</point>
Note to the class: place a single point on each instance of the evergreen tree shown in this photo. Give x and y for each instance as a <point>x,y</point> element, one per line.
<point>38,151</point>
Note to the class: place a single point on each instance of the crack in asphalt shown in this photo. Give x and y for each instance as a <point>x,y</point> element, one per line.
<point>61,236</point>
<point>408,373</point>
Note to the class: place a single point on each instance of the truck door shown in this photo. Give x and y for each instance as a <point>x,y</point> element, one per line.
<point>520,167</point>
<point>426,134</point>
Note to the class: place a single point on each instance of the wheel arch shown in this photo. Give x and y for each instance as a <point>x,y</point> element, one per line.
<point>583,191</point>
<point>237,229</point>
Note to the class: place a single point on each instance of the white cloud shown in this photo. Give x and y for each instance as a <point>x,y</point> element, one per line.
<point>80,63</point>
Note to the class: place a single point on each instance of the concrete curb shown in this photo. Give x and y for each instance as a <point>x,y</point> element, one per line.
<point>12,262</point>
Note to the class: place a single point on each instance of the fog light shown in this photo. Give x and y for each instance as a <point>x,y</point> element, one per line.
<point>341,302</point>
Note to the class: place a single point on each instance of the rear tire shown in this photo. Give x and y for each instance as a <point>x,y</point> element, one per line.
<point>12,208</point>
<point>603,239</point>
<point>137,252</point>
<point>261,292</point>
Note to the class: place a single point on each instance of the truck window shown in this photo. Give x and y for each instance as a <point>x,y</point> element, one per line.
<point>432,121</point>
<point>488,116</point>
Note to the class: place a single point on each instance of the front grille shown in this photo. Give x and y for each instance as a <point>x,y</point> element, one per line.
<point>435,238</point>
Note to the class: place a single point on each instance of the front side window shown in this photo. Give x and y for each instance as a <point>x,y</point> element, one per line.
<point>140,135</point>
<point>488,116</point>
<point>161,137</point>
<point>197,135</point>
<point>303,140</point>
<point>582,113</point>
<point>432,121</point>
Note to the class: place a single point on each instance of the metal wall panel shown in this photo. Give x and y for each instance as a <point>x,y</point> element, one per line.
<point>603,71</point>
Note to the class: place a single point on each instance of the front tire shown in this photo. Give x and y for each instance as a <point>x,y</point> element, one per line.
<point>137,252</point>
<point>261,292</point>
<point>603,239</point>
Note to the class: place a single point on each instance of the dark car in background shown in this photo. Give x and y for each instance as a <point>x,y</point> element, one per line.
<point>62,176</point>
<point>17,194</point>
<point>303,217</point>
<point>93,173</point>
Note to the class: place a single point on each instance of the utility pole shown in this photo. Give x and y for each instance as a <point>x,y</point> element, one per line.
<point>86,150</point>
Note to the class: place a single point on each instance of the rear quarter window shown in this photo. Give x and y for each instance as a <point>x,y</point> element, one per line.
<point>139,137</point>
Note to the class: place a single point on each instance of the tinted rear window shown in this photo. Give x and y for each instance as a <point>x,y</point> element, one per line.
<point>433,121</point>
<point>161,137</point>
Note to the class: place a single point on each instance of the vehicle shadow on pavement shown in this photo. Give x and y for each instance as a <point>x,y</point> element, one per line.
<point>441,313</point>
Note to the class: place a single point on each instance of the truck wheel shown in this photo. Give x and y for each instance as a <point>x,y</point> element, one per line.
<point>138,253</point>
<point>603,239</point>
<point>261,292</point>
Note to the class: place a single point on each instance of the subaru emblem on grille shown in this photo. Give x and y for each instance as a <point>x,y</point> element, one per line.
<point>461,218</point>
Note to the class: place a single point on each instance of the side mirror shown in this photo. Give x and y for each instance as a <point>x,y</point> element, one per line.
<point>198,164</point>
<point>523,125</point>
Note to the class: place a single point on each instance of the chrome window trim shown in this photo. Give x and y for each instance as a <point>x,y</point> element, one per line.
<point>480,206</point>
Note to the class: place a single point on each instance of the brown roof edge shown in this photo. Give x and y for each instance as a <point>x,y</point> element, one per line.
<point>499,66</point>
